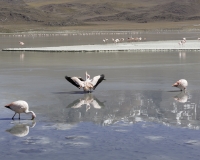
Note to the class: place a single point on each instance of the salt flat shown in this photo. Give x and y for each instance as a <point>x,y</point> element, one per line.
<point>126,46</point>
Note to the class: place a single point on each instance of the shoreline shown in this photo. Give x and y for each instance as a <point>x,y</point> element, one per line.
<point>104,26</point>
<point>168,45</point>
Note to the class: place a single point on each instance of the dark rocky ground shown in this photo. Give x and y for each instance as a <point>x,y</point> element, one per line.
<point>47,14</point>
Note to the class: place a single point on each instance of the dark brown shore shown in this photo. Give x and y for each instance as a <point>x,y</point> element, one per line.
<point>49,15</point>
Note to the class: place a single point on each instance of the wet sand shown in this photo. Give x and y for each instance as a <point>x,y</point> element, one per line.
<point>134,113</point>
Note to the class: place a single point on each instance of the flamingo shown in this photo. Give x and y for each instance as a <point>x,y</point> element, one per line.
<point>21,43</point>
<point>182,42</point>
<point>181,84</point>
<point>116,40</point>
<point>87,84</point>
<point>105,40</point>
<point>121,39</point>
<point>20,106</point>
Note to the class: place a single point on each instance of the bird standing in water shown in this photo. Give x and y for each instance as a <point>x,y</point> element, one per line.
<point>87,84</point>
<point>181,84</point>
<point>20,106</point>
<point>21,43</point>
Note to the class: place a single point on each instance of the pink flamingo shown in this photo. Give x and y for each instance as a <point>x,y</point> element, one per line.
<point>181,84</point>
<point>21,43</point>
<point>20,107</point>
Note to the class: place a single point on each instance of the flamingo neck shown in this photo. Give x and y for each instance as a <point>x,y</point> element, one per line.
<point>87,77</point>
<point>33,114</point>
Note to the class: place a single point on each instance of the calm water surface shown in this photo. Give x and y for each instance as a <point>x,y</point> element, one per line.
<point>134,114</point>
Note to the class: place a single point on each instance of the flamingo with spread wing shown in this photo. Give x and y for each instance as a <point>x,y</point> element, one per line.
<point>88,84</point>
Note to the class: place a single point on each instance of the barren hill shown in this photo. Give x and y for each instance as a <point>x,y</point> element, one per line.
<point>79,12</point>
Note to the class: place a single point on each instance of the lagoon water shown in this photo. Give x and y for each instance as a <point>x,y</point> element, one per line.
<point>133,114</point>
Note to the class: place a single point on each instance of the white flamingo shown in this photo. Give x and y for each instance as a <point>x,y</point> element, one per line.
<point>105,40</point>
<point>117,40</point>
<point>87,84</point>
<point>181,84</point>
<point>183,41</point>
<point>20,106</point>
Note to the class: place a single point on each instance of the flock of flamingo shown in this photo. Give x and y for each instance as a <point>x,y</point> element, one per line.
<point>88,85</point>
<point>129,39</point>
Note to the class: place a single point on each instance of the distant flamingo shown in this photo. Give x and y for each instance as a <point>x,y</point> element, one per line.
<point>121,39</point>
<point>117,40</point>
<point>21,43</point>
<point>20,106</point>
<point>182,42</point>
<point>130,39</point>
<point>105,40</point>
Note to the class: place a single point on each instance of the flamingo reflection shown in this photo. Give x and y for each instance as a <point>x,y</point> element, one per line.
<point>88,100</point>
<point>181,97</point>
<point>22,56</point>
<point>182,55</point>
<point>21,129</point>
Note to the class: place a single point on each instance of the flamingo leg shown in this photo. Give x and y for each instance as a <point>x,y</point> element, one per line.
<point>13,116</point>
<point>19,115</point>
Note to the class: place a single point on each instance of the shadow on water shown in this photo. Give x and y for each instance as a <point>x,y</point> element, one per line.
<point>5,119</point>
<point>71,92</point>
<point>174,91</point>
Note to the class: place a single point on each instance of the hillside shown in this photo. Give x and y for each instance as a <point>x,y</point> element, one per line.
<point>63,13</point>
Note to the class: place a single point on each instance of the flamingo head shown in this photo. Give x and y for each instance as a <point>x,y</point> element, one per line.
<point>87,75</point>
<point>33,116</point>
<point>176,84</point>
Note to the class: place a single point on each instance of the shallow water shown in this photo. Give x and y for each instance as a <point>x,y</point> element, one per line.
<point>134,113</point>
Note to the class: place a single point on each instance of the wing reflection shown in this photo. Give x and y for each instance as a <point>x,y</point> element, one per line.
<point>21,129</point>
<point>88,100</point>
<point>181,97</point>
<point>131,107</point>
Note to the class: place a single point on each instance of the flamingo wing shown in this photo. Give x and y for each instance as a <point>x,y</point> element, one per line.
<point>76,81</point>
<point>18,106</point>
<point>96,80</point>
